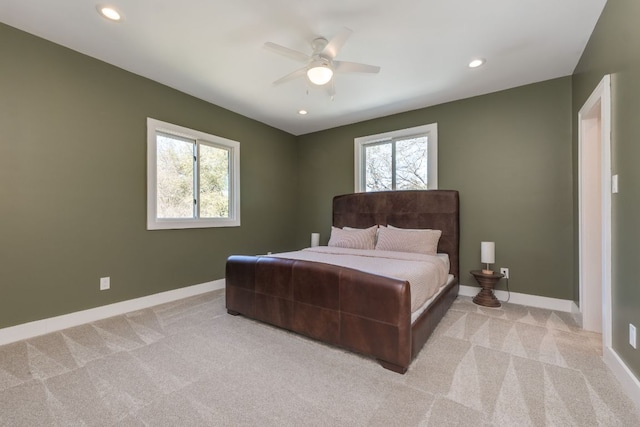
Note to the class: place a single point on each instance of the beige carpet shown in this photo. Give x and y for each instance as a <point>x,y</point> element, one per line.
<point>189,363</point>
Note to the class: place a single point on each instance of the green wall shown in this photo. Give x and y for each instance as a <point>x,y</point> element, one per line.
<point>73,184</point>
<point>614,48</point>
<point>507,153</point>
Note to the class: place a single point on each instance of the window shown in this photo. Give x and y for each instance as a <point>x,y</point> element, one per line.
<point>193,179</point>
<point>405,159</point>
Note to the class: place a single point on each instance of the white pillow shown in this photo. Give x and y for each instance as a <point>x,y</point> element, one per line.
<point>352,228</point>
<point>377,231</point>
<point>407,229</point>
<point>408,240</point>
<point>353,238</point>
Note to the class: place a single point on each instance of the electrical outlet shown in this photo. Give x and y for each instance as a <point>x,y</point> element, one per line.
<point>632,335</point>
<point>505,272</point>
<point>105,283</point>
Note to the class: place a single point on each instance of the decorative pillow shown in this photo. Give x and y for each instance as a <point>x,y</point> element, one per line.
<point>408,240</point>
<point>377,231</point>
<point>353,238</point>
<point>352,228</point>
<point>407,229</point>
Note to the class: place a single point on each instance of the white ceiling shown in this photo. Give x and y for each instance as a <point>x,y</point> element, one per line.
<point>212,49</point>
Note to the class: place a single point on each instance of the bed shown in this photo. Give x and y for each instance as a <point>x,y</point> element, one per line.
<point>367,313</point>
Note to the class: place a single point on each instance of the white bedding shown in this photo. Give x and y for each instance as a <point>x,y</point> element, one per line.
<point>425,273</point>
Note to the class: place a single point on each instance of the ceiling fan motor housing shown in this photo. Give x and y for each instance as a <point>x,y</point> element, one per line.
<point>319,44</point>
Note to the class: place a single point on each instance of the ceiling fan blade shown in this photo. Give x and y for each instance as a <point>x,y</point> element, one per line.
<point>354,67</point>
<point>335,44</point>
<point>289,53</point>
<point>294,75</point>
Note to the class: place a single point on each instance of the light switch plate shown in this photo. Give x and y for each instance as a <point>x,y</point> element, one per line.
<point>632,335</point>
<point>614,183</point>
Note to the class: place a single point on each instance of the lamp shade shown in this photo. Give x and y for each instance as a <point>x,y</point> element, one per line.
<point>487,252</point>
<point>315,239</point>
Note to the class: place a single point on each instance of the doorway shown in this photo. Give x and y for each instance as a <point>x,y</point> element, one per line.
<point>594,194</point>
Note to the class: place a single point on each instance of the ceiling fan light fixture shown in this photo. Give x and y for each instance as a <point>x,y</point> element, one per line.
<point>319,73</point>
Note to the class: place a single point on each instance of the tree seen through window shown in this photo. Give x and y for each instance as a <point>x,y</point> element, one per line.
<point>400,164</point>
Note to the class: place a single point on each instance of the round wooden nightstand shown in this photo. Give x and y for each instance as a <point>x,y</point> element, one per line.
<point>486,297</point>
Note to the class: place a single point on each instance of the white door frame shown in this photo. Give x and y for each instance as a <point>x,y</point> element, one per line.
<point>602,96</point>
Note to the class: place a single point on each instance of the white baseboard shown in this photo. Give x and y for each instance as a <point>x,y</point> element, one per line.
<point>629,382</point>
<point>52,324</point>
<point>524,299</point>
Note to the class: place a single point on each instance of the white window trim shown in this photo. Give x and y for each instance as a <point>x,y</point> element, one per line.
<point>154,223</point>
<point>430,130</point>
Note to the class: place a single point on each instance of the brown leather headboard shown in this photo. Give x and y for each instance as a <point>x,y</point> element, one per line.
<point>435,209</point>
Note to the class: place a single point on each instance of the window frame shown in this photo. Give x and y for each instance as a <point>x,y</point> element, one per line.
<point>430,131</point>
<point>153,222</point>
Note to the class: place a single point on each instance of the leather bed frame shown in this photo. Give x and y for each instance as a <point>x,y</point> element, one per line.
<point>362,312</point>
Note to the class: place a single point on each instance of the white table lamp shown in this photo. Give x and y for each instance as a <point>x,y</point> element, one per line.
<point>487,255</point>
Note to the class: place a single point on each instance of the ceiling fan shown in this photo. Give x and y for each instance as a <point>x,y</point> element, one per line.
<point>321,64</point>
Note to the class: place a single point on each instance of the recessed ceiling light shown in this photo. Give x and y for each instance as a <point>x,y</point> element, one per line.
<point>109,13</point>
<point>476,63</point>
<point>303,112</point>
